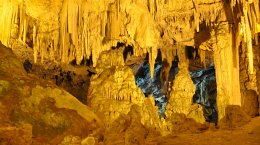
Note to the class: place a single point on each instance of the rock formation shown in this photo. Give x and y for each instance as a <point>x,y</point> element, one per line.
<point>34,108</point>
<point>113,91</point>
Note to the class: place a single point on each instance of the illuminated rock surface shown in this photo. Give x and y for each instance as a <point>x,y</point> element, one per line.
<point>38,108</point>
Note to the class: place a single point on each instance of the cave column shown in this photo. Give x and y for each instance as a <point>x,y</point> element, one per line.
<point>180,99</point>
<point>227,72</point>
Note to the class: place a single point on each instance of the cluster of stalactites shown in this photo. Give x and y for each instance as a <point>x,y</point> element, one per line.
<point>250,20</point>
<point>81,32</point>
<point>82,29</point>
<point>13,22</point>
<point>86,28</point>
<point>77,33</point>
<point>247,28</point>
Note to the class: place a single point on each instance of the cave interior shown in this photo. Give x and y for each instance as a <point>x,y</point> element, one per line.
<point>130,72</point>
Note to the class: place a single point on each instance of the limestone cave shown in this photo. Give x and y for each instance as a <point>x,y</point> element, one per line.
<point>129,72</point>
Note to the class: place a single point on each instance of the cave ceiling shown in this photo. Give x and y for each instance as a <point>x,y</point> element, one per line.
<point>66,30</point>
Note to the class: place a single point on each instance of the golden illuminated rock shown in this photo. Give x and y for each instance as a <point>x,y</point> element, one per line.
<point>113,92</point>
<point>31,107</point>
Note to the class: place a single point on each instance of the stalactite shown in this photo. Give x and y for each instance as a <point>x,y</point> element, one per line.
<point>25,25</point>
<point>152,56</point>
<point>82,29</point>
<point>63,32</point>
<point>252,19</point>
<point>7,20</point>
<point>196,20</point>
<point>248,37</point>
<point>202,57</point>
<point>118,8</point>
<point>35,49</point>
<point>41,50</point>
<point>168,54</point>
<point>73,17</point>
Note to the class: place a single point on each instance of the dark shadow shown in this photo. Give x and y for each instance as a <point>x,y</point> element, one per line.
<point>206,92</point>
<point>73,62</point>
<point>129,50</point>
<point>118,45</point>
<point>189,52</point>
<point>159,56</point>
<point>203,35</point>
<point>156,86</point>
<point>89,62</point>
<point>234,117</point>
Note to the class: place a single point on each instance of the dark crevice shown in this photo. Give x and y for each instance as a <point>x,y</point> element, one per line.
<point>129,50</point>
<point>206,92</point>
<point>155,86</point>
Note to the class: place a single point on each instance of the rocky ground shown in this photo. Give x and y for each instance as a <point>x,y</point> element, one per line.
<point>245,135</point>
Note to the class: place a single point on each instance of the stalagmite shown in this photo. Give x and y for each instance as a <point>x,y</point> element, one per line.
<point>7,20</point>
<point>196,20</point>
<point>202,57</point>
<point>35,49</point>
<point>152,56</point>
<point>63,32</point>
<point>25,29</point>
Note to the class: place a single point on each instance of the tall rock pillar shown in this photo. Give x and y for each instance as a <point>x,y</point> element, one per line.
<point>180,98</point>
<point>227,70</point>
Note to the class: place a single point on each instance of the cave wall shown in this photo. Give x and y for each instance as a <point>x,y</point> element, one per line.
<point>63,30</point>
<point>249,94</point>
<point>258,79</point>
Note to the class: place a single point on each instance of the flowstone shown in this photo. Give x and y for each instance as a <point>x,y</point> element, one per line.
<point>113,91</point>
<point>181,93</point>
<point>181,96</point>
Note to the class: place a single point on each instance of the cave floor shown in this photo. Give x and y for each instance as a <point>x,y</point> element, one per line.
<point>248,134</point>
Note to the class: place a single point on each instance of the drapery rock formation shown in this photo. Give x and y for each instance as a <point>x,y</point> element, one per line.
<point>113,91</point>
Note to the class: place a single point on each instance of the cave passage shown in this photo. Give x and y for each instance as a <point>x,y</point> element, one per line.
<point>152,86</point>
<point>156,86</point>
<point>206,92</point>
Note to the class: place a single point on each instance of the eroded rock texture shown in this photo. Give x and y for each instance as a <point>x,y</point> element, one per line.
<point>113,92</point>
<point>35,111</point>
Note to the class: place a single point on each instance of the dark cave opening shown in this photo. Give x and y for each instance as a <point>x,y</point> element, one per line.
<point>156,86</point>
<point>206,92</point>
<point>204,79</point>
<point>151,86</point>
